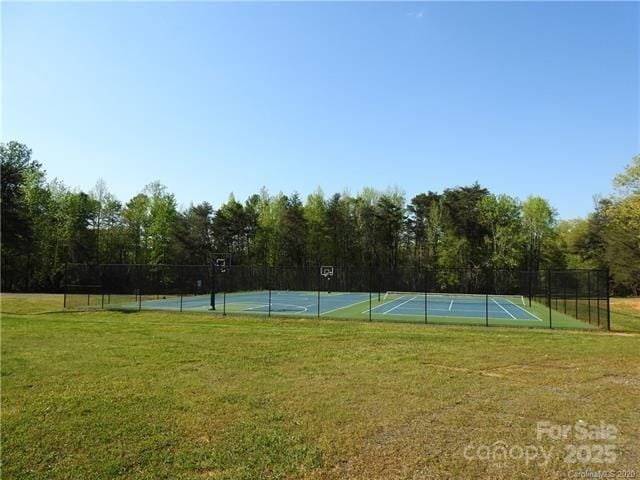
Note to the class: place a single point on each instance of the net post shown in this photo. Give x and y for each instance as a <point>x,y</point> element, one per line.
<point>269,299</point>
<point>224,302</point>
<point>549,296</point>
<point>530,292</point>
<point>181,300</point>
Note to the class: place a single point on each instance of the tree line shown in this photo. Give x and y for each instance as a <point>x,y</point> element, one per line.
<point>45,224</point>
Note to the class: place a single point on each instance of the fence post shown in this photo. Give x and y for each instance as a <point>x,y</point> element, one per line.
<point>139,288</point>
<point>319,280</point>
<point>102,286</point>
<point>577,284</point>
<point>598,296</point>
<point>181,300</point>
<point>608,300</point>
<point>589,294</point>
<point>269,299</point>
<point>212,300</point>
<point>549,296</point>
<point>486,309</point>
<point>64,286</point>
<point>426,289</point>
<point>371,290</point>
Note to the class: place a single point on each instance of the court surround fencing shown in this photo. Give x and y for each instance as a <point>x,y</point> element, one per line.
<point>542,299</point>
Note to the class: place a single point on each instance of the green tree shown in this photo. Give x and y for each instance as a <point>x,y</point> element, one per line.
<point>163,214</point>
<point>462,209</point>
<point>315,216</point>
<point>501,216</point>
<point>343,225</point>
<point>628,182</point>
<point>230,230</point>
<point>388,227</point>
<point>137,219</point>
<point>623,242</point>
<point>538,222</point>
<point>435,231</point>
<point>193,233</point>
<point>293,235</point>
<point>420,214</point>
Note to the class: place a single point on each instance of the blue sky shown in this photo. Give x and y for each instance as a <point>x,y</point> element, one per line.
<point>212,98</point>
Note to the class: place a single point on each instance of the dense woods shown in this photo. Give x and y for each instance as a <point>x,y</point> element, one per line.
<point>46,224</point>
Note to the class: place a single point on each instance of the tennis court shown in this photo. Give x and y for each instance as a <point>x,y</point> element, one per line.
<point>552,299</point>
<point>389,306</point>
<point>473,307</point>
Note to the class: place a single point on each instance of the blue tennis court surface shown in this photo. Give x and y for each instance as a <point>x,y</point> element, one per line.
<point>357,304</point>
<point>459,306</point>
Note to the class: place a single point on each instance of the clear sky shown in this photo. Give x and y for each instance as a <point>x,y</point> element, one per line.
<point>212,98</point>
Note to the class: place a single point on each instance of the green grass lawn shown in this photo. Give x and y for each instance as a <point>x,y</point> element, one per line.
<point>99,394</point>
<point>625,314</point>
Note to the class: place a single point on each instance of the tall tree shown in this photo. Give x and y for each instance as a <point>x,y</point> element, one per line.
<point>163,214</point>
<point>22,180</point>
<point>462,206</point>
<point>388,226</point>
<point>293,233</point>
<point>501,216</point>
<point>418,225</point>
<point>538,221</point>
<point>193,233</point>
<point>315,215</point>
<point>137,220</point>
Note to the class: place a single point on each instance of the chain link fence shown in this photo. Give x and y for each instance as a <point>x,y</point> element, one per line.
<point>541,299</point>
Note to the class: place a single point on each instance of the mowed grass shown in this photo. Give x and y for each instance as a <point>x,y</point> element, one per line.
<point>169,395</point>
<point>625,314</point>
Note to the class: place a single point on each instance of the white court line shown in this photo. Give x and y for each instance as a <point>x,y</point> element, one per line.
<point>450,305</point>
<point>526,311</point>
<point>399,305</point>
<point>345,306</point>
<point>256,306</point>
<point>382,304</point>
<point>508,313</point>
<point>421,310</point>
<point>448,317</point>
